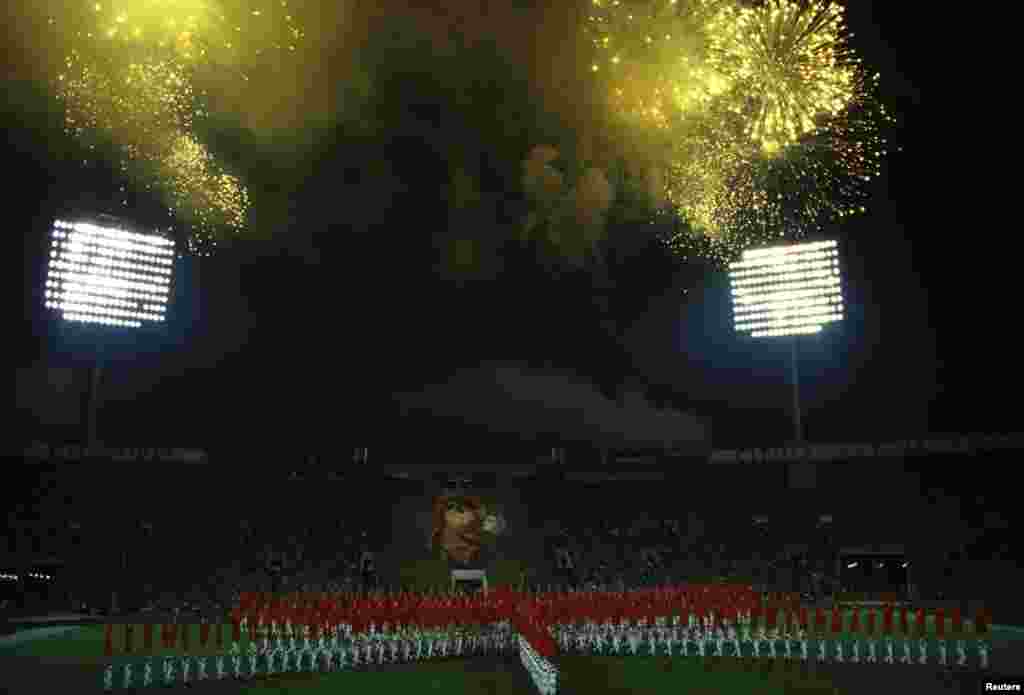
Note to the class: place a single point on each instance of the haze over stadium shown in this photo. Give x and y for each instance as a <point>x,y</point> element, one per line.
<point>434,333</point>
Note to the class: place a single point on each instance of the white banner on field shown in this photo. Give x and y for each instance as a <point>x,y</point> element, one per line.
<point>469,576</point>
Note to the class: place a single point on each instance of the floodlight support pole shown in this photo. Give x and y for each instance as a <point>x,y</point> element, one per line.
<point>798,427</point>
<point>92,405</point>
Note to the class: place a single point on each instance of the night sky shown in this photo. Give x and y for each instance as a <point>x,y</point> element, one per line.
<point>878,373</point>
<point>260,342</point>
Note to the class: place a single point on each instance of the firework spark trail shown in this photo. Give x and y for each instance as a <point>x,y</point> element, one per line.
<point>761,117</point>
<point>199,184</point>
<point>653,58</point>
<point>137,74</point>
<point>789,62</point>
<point>144,102</point>
<point>767,120</point>
<point>202,33</point>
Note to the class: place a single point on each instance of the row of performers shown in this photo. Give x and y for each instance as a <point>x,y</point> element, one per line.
<point>732,603</point>
<point>363,612</point>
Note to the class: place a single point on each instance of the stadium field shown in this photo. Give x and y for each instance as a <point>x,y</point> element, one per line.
<point>581,675</point>
<point>85,645</point>
<point>87,642</point>
<point>72,661</point>
<point>661,676</point>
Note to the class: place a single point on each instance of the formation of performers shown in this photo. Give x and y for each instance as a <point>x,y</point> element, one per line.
<point>333,632</point>
<point>723,620</point>
<point>543,672</point>
<point>323,633</point>
<point>284,652</point>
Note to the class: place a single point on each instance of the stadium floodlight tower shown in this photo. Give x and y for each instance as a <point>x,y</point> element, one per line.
<point>104,272</point>
<point>787,291</point>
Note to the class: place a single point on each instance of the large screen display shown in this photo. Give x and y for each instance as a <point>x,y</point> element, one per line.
<point>463,525</point>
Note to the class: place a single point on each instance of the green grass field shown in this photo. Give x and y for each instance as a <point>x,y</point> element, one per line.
<point>441,677</point>
<point>86,644</point>
<point>82,651</point>
<point>649,675</point>
<point>589,675</point>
